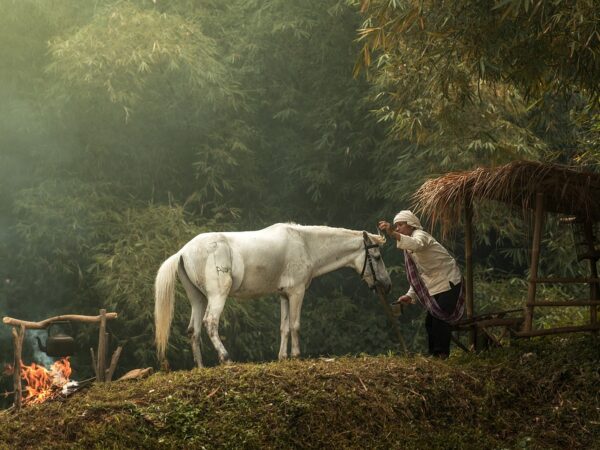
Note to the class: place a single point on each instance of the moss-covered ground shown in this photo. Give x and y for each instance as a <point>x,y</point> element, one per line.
<point>541,394</point>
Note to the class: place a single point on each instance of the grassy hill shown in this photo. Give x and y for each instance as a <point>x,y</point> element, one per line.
<point>538,394</point>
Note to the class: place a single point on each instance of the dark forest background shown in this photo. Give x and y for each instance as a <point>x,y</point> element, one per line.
<point>128,127</point>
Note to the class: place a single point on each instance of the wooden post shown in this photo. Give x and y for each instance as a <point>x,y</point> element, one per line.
<point>102,347</point>
<point>18,334</point>
<point>469,268</point>
<point>589,238</point>
<point>535,259</point>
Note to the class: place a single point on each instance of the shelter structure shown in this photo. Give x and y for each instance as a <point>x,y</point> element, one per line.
<point>534,188</point>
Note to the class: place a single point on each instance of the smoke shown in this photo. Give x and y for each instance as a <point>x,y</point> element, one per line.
<point>39,356</point>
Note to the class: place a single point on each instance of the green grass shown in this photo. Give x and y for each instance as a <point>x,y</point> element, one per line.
<point>541,394</point>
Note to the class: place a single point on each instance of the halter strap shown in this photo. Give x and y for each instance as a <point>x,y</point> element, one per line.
<point>368,258</point>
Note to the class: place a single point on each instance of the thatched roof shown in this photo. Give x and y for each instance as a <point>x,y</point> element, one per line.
<point>566,190</point>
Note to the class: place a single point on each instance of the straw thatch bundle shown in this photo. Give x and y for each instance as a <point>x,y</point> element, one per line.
<point>566,191</point>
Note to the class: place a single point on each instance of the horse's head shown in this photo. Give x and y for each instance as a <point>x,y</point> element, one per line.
<point>374,271</point>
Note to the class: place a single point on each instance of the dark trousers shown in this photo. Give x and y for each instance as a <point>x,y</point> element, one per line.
<point>438,331</point>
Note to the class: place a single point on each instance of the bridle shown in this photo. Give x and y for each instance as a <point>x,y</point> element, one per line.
<point>369,259</point>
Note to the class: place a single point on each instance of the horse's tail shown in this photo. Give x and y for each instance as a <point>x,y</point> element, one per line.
<point>164,302</point>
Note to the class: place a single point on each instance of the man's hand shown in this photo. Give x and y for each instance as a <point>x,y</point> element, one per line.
<point>404,300</point>
<point>385,226</point>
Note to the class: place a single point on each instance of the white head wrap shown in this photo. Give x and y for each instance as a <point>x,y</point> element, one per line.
<point>408,217</point>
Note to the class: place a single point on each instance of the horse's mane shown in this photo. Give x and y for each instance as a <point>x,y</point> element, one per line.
<point>377,238</point>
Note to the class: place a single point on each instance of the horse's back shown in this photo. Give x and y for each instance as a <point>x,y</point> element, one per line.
<point>260,262</point>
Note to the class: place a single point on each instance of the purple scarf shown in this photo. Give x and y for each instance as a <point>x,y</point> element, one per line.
<point>427,300</point>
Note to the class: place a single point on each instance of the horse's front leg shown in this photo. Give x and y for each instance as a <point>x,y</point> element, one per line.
<point>295,299</point>
<point>285,327</point>
<point>194,330</point>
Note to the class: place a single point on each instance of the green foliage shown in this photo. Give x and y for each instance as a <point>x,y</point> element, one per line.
<point>127,53</point>
<point>470,82</point>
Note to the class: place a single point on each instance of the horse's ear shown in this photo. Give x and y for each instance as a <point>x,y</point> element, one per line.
<point>366,237</point>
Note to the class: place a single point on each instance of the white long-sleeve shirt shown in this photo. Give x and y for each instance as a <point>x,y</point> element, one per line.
<point>435,265</point>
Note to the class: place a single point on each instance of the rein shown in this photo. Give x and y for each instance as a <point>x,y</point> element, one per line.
<point>370,260</point>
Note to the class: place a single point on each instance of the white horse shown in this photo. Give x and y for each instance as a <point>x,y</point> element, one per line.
<point>282,259</point>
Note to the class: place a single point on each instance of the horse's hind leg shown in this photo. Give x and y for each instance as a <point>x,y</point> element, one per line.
<point>198,302</point>
<point>218,276</point>
<point>216,304</point>
<point>285,327</point>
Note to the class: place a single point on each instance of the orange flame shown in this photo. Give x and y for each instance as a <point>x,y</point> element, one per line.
<point>44,384</point>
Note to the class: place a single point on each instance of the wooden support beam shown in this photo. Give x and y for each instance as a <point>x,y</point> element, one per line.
<point>491,315</point>
<point>559,280</point>
<point>567,303</point>
<point>535,259</point>
<point>18,334</point>
<point>560,330</point>
<point>67,317</point>
<point>594,286</point>
<point>469,266</point>
<point>500,322</point>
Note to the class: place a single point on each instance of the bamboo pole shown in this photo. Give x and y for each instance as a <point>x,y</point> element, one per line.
<point>18,334</point>
<point>535,259</point>
<point>67,317</point>
<point>469,268</point>
<point>102,347</point>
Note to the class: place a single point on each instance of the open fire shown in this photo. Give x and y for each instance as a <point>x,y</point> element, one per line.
<point>44,384</point>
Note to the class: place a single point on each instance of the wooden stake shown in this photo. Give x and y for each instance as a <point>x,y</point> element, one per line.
<point>18,334</point>
<point>94,362</point>
<point>101,373</point>
<point>113,363</point>
<point>535,259</point>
